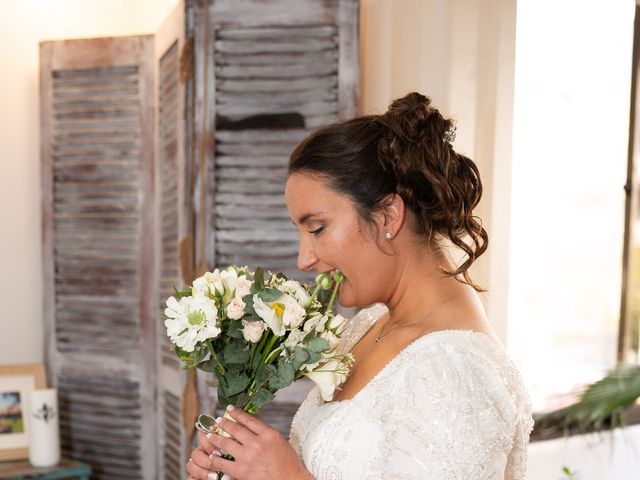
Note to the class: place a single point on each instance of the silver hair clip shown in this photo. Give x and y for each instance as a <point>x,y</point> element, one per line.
<point>450,134</point>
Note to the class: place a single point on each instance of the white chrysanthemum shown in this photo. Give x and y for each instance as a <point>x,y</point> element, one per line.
<point>297,290</point>
<point>268,313</point>
<point>191,320</point>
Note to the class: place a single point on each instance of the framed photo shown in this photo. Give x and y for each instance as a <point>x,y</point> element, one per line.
<point>16,382</point>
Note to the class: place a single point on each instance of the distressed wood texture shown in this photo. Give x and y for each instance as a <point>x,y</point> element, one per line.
<point>274,71</point>
<point>174,67</point>
<point>267,72</point>
<point>99,270</point>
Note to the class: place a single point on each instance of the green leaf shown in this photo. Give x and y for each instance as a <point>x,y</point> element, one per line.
<point>283,376</point>
<point>262,397</point>
<point>248,302</point>
<point>235,352</point>
<point>208,365</point>
<point>256,360</point>
<point>300,357</point>
<point>258,280</point>
<point>235,329</point>
<point>313,357</point>
<point>317,344</point>
<point>236,383</point>
<point>269,294</point>
<point>264,373</point>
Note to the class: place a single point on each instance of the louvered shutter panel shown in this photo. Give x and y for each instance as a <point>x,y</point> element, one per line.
<point>274,70</point>
<point>175,229</point>
<point>99,293</point>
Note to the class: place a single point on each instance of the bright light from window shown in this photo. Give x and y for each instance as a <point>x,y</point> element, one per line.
<point>572,88</point>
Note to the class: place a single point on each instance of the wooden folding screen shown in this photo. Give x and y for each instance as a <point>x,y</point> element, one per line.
<point>162,156</point>
<point>99,279</point>
<point>267,73</point>
<point>174,231</point>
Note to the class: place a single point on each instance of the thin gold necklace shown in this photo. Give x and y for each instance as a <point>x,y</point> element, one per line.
<point>382,335</point>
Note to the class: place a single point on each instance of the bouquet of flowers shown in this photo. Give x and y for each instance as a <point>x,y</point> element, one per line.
<point>259,334</point>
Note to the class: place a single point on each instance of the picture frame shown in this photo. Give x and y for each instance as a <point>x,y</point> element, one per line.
<point>16,382</point>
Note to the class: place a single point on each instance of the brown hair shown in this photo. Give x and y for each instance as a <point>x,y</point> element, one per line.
<point>406,151</point>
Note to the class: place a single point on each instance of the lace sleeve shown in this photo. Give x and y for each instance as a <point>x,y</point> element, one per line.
<point>455,419</point>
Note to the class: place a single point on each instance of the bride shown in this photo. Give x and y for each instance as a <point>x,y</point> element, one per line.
<point>432,393</point>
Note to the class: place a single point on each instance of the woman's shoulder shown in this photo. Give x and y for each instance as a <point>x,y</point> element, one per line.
<point>467,367</point>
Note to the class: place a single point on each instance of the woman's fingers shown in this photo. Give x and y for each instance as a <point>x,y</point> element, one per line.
<point>241,433</point>
<point>225,444</point>
<point>204,442</point>
<point>254,424</point>
<point>199,465</point>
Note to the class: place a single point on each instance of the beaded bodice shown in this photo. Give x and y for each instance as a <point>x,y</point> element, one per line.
<point>451,405</point>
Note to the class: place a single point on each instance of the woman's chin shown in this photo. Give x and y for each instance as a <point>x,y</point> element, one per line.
<point>344,297</point>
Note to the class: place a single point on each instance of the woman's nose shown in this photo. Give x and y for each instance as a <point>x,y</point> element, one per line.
<point>306,257</point>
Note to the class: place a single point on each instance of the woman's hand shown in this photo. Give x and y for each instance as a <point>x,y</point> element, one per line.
<point>259,452</point>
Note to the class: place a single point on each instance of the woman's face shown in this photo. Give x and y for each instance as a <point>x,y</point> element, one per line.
<point>332,236</point>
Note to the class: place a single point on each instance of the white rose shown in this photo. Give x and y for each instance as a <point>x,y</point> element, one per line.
<point>268,314</point>
<point>328,377</point>
<point>298,291</point>
<point>252,331</point>
<point>293,312</point>
<point>235,308</point>
<point>243,286</point>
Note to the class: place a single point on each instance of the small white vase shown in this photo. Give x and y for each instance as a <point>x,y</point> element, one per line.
<point>44,428</point>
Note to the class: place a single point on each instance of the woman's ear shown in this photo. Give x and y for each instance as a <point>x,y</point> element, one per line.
<point>391,215</point>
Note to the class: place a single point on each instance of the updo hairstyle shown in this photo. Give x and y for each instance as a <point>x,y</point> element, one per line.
<point>405,151</point>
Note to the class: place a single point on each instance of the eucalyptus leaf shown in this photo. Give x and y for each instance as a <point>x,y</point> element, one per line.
<point>256,360</point>
<point>300,357</point>
<point>284,375</point>
<point>248,308</point>
<point>270,294</point>
<point>262,398</point>
<point>208,365</point>
<point>235,329</point>
<point>264,373</point>
<point>235,352</point>
<point>313,357</point>
<point>317,344</point>
<point>236,383</point>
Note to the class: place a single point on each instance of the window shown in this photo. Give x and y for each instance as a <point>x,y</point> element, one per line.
<point>571,127</point>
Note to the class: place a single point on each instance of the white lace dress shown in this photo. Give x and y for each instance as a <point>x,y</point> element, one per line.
<point>451,405</point>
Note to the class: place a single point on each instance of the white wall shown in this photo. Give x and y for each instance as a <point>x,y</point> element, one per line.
<point>461,53</point>
<point>23,24</point>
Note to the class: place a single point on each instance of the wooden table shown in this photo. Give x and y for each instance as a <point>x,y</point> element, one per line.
<point>65,469</point>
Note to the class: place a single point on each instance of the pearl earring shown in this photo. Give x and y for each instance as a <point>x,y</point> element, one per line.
<point>388,235</point>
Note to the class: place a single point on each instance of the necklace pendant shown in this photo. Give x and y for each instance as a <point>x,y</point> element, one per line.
<point>377,339</point>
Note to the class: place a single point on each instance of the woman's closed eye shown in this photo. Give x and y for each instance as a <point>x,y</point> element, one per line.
<point>317,231</point>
